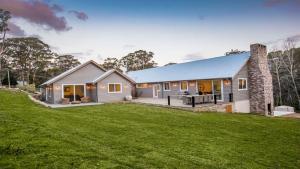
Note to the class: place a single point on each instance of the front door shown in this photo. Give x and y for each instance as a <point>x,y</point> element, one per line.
<point>155,90</point>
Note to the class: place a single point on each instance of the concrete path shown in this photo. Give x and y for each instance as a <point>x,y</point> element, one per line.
<point>61,105</point>
<point>294,115</point>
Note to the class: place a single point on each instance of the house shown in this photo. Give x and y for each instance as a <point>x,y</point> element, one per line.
<point>242,78</point>
<point>88,80</point>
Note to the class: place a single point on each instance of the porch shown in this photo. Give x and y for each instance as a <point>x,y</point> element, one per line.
<point>179,103</point>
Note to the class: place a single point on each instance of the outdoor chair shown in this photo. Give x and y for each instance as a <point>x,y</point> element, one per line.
<point>85,99</point>
<point>207,98</point>
<point>65,101</point>
<point>198,99</point>
<point>185,100</point>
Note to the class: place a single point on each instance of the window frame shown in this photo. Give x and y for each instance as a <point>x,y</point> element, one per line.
<point>121,90</point>
<point>74,84</point>
<point>165,86</point>
<point>187,86</point>
<point>246,80</point>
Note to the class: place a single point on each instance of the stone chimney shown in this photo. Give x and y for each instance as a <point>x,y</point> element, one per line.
<point>260,81</point>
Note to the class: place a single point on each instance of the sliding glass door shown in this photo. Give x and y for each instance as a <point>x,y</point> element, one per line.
<point>211,87</point>
<point>217,88</point>
<point>74,92</point>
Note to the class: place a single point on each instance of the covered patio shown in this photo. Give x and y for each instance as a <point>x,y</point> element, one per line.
<point>178,103</point>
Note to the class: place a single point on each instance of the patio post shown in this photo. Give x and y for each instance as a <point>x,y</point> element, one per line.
<point>215,99</point>
<point>230,97</point>
<point>193,101</point>
<point>169,101</point>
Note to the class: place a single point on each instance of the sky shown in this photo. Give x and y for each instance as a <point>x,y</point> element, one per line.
<point>175,30</point>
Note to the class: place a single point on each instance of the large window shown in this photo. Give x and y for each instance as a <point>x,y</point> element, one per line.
<point>73,92</point>
<point>167,86</point>
<point>242,83</point>
<point>217,85</point>
<point>205,87</point>
<point>114,88</point>
<point>184,86</point>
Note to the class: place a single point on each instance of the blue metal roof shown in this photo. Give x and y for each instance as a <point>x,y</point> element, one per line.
<point>212,68</point>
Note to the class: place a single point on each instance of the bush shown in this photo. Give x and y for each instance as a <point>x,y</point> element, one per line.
<point>29,88</point>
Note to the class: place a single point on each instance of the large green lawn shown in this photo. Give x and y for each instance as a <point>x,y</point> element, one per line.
<point>139,136</point>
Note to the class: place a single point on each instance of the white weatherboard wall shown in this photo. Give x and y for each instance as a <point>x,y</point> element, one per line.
<point>242,106</point>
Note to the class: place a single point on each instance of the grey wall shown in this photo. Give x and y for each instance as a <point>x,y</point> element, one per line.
<point>92,92</point>
<point>144,92</point>
<point>239,95</point>
<point>81,76</point>
<point>50,95</point>
<point>175,89</point>
<point>102,88</point>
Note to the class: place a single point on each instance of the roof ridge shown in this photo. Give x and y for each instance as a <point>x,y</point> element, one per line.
<point>212,58</point>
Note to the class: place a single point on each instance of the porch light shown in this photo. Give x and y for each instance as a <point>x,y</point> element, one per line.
<point>192,83</point>
<point>227,82</point>
<point>174,84</point>
<point>88,86</point>
<point>102,86</point>
<point>57,87</point>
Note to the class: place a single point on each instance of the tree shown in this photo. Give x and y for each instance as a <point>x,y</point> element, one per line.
<point>4,17</point>
<point>276,65</point>
<point>63,63</point>
<point>285,68</point>
<point>111,63</point>
<point>28,56</point>
<point>289,62</point>
<point>12,79</point>
<point>138,60</point>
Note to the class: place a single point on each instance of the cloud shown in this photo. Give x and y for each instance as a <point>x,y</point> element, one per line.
<point>201,17</point>
<point>37,12</point>
<point>193,56</point>
<point>128,46</point>
<point>295,38</point>
<point>273,3</point>
<point>79,15</point>
<point>15,30</point>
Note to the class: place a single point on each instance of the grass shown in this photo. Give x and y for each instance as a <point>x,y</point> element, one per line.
<point>139,136</point>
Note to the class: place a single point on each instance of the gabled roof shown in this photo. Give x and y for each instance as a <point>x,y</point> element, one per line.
<point>218,67</point>
<point>104,75</point>
<point>68,72</point>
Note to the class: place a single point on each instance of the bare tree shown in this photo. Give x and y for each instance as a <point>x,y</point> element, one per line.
<point>276,65</point>
<point>288,61</point>
<point>4,17</point>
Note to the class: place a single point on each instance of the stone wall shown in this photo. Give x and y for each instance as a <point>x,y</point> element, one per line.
<point>260,80</point>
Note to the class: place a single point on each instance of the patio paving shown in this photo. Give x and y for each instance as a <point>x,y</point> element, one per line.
<point>177,103</point>
<point>72,105</point>
<point>62,105</point>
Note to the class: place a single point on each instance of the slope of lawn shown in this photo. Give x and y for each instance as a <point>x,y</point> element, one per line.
<point>139,136</point>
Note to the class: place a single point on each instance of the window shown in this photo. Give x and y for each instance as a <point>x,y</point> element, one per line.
<point>218,89</point>
<point>242,84</point>
<point>73,91</point>
<point>167,86</point>
<point>184,86</point>
<point>142,85</point>
<point>114,88</point>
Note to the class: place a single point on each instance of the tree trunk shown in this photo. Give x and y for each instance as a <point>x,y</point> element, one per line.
<point>279,87</point>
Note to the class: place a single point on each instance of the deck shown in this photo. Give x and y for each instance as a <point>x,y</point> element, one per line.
<point>177,103</point>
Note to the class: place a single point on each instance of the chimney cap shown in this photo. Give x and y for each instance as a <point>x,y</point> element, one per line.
<point>257,45</point>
